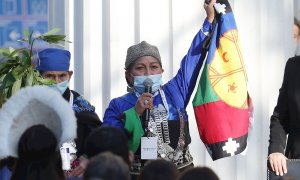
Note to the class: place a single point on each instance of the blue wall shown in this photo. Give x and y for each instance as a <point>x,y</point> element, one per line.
<point>17,15</point>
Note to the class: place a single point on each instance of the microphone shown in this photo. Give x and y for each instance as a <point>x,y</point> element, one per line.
<point>148,89</point>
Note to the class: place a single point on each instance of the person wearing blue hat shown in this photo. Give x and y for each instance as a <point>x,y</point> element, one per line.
<point>54,63</point>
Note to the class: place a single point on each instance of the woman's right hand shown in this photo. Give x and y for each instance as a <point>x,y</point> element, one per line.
<point>210,11</point>
<point>145,101</point>
<point>278,163</point>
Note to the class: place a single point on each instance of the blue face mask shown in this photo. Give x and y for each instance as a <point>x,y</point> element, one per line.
<point>60,87</point>
<point>139,83</point>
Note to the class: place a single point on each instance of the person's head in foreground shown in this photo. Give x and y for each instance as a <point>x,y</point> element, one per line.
<point>110,139</point>
<point>106,166</point>
<point>34,123</point>
<point>199,173</point>
<point>159,169</point>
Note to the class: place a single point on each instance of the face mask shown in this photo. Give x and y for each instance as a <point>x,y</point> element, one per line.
<point>60,87</point>
<point>140,87</point>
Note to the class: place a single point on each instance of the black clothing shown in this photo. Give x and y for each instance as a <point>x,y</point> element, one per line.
<point>87,119</point>
<point>286,117</point>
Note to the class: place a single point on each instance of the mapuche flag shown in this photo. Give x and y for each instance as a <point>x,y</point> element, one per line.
<point>221,103</point>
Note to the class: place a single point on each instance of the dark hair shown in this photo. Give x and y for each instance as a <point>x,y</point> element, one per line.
<point>159,169</point>
<point>199,173</point>
<point>86,123</point>
<point>39,157</point>
<point>107,166</point>
<point>106,138</point>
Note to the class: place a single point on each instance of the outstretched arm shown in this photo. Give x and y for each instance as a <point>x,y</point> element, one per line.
<point>183,84</point>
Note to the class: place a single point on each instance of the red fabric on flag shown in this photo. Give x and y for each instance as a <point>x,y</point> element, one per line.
<point>217,121</point>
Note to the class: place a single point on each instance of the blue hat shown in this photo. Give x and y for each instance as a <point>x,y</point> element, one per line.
<point>52,59</point>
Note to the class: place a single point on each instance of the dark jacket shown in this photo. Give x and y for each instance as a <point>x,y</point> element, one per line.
<point>286,117</point>
<point>87,119</point>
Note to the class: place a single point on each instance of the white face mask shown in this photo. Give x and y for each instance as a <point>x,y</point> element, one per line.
<point>139,83</point>
<point>60,87</point>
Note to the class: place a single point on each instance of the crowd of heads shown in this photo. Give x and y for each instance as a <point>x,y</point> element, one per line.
<point>37,150</point>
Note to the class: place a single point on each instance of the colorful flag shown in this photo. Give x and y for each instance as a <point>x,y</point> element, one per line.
<point>221,103</point>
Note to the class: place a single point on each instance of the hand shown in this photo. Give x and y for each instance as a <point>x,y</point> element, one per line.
<point>80,169</point>
<point>278,163</point>
<point>210,11</point>
<point>131,157</point>
<point>145,101</point>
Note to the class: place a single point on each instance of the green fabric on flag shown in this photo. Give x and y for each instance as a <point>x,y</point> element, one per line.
<point>204,93</point>
<point>134,127</point>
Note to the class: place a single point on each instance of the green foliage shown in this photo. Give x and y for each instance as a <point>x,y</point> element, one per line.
<point>16,69</point>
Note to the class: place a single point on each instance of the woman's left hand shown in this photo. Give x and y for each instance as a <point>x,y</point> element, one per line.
<point>278,163</point>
